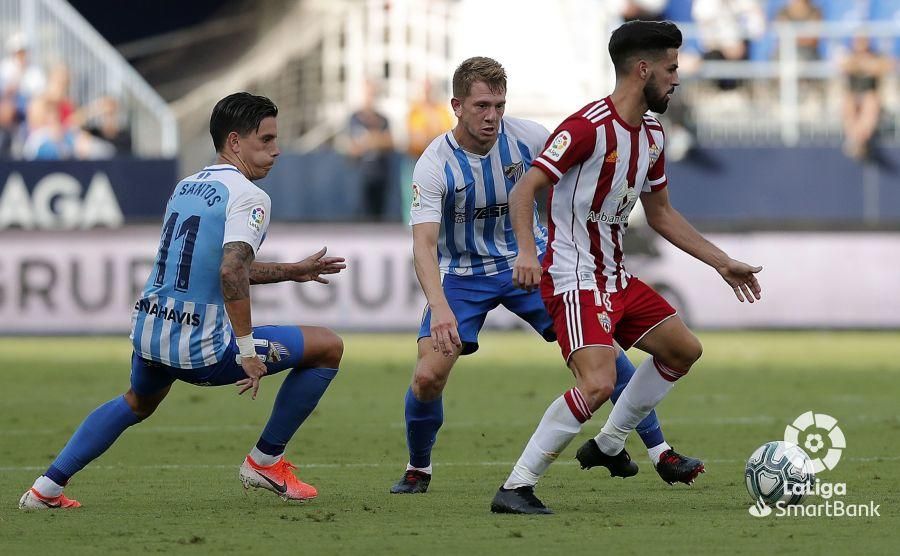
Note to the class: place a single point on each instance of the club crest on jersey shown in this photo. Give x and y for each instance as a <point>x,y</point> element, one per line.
<point>626,200</point>
<point>612,157</point>
<point>257,217</point>
<point>514,171</point>
<point>416,200</point>
<point>654,153</point>
<point>605,321</point>
<point>558,147</point>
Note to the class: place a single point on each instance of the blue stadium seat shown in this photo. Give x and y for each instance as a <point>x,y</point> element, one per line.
<point>773,6</point>
<point>764,48</point>
<point>887,10</point>
<point>768,45</point>
<point>850,11</point>
<point>678,10</point>
<point>845,10</point>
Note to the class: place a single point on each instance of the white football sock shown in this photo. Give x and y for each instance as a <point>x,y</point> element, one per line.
<point>644,391</point>
<point>422,469</point>
<point>657,451</point>
<point>557,428</point>
<point>263,459</point>
<point>46,487</point>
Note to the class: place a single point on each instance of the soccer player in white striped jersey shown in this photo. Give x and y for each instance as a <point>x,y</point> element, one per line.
<point>463,248</point>
<point>599,161</point>
<point>192,322</point>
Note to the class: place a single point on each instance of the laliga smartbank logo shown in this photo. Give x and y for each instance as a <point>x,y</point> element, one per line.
<point>813,441</point>
<point>781,475</point>
<point>760,509</point>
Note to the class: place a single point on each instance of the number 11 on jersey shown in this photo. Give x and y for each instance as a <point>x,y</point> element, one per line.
<point>187,231</point>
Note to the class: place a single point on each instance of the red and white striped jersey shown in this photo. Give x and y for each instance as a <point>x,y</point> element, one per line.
<point>599,165</point>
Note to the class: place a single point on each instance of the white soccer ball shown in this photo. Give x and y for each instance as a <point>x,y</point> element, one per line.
<point>779,472</point>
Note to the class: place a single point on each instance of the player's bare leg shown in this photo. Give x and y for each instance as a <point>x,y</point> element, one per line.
<point>432,371</point>
<point>595,377</point>
<point>594,368</point>
<point>673,349</point>
<point>424,414</point>
<point>649,430</point>
<point>589,455</point>
<point>94,436</point>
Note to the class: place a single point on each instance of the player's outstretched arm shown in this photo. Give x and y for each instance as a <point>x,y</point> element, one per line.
<point>310,269</point>
<point>670,224</point>
<point>527,268</point>
<point>444,333</point>
<point>234,273</point>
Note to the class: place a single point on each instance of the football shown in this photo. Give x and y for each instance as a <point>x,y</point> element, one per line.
<point>779,472</point>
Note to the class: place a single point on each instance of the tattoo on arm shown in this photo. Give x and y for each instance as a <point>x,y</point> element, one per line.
<point>237,257</point>
<point>268,273</point>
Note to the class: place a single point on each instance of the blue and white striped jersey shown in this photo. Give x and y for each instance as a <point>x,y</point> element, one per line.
<point>180,318</point>
<point>468,195</point>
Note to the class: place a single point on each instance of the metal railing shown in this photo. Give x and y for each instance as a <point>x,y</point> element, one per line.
<point>784,99</point>
<point>318,76</point>
<point>56,33</point>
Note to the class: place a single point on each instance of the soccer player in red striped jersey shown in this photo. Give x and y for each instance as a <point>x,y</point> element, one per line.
<point>599,161</point>
<point>463,249</point>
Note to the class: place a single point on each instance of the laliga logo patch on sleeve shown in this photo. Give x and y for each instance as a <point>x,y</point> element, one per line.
<point>257,217</point>
<point>558,148</point>
<point>416,201</point>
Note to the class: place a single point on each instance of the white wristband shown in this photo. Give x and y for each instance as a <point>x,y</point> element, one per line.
<point>246,346</point>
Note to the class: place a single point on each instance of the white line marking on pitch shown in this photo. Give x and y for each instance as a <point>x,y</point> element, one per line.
<point>364,465</point>
<point>199,429</point>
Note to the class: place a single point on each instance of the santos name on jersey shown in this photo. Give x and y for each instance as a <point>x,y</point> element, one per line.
<point>468,195</point>
<point>180,319</point>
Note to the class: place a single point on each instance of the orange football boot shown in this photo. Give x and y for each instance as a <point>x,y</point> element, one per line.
<point>278,477</point>
<point>34,500</point>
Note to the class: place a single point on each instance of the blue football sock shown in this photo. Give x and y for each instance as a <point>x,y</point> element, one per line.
<point>423,420</point>
<point>298,396</point>
<point>648,429</point>
<point>93,437</point>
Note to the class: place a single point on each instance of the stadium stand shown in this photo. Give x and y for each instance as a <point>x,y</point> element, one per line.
<point>57,69</point>
<point>316,77</point>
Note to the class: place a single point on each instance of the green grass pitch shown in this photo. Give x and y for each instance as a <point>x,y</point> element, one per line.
<point>170,484</point>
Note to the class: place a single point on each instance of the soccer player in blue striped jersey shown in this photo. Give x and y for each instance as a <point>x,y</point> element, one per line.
<point>464,248</point>
<point>193,319</point>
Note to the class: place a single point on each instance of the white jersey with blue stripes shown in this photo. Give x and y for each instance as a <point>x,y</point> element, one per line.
<point>180,318</point>
<point>468,195</point>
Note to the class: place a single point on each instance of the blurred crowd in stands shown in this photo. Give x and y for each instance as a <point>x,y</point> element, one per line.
<point>743,30</point>
<point>370,145</point>
<point>726,30</point>
<point>39,120</point>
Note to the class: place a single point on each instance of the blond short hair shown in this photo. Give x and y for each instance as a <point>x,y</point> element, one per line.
<point>479,68</point>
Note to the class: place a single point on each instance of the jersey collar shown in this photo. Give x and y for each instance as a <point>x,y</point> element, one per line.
<point>218,167</point>
<point>451,140</point>
<point>620,119</point>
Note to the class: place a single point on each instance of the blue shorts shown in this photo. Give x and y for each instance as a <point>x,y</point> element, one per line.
<point>282,347</point>
<point>471,298</point>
